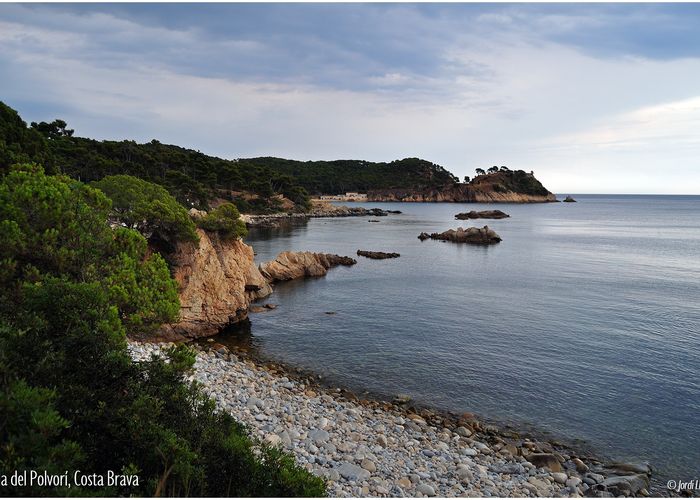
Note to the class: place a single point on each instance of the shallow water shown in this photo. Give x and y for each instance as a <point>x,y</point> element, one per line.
<point>584,321</point>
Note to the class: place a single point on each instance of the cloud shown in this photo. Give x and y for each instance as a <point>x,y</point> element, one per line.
<point>463,85</point>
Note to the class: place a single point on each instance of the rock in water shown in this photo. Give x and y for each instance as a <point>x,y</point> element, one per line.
<point>569,199</point>
<point>626,485</point>
<point>293,265</point>
<point>484,214</point>
<point>378,255</point>
<point>473,235</point>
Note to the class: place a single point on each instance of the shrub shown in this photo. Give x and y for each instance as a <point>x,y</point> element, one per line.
<point>225,220</point>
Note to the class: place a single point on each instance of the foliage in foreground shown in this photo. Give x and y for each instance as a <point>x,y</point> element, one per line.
<point>71,398</point>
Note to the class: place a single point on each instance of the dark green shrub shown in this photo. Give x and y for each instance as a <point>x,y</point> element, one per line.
<point>225,220</point>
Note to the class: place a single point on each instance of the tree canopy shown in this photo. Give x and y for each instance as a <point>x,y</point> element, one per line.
<point>225,220</point>
<point>147,207</point>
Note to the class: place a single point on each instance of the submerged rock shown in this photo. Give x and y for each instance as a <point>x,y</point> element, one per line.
<point>484,214</point>
<point>473,235</point>
<point>378,255</point>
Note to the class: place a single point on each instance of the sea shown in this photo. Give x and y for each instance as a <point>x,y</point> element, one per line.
<point>583,323</point>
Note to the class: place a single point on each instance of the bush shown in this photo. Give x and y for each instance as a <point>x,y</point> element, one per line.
<point>225,220</point>
<point>71,398</point>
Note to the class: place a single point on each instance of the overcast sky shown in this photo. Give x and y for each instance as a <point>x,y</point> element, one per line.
<point>595,98</point>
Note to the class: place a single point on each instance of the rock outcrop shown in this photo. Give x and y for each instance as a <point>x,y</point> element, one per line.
<point>569,199</point>
<point>325,209</point>
<point>217,281</point>
<point>320,208</point>
<point>292,265</point>
<point>472,235</point>
<point>484,214</point>
<point>378,255</point>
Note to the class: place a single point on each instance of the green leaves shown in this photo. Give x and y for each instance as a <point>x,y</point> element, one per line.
<point>148,208</point>
<point>71,398</point>
<point>55,227</point>
<point>225,220</point>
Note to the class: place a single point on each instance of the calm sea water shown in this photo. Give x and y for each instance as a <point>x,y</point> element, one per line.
<point>583,322</point>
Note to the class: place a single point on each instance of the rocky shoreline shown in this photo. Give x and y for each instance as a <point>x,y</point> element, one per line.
<point>319,209</point>
<point>376,448</point>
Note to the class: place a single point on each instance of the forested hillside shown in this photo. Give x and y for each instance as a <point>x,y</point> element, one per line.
<point>196,179</point>
<point>340,176</point>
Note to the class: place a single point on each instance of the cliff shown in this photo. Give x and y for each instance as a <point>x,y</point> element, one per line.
<point>511,186</point>
<point>218,279</point>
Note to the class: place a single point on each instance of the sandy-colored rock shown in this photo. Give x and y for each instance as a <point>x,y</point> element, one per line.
<point>546,460</point>
<point>293,265</point>
<point>217,281</point>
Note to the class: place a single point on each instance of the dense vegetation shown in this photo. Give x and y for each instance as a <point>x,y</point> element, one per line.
<point>504,180</point>
<point>340,176</point>
<point>148,208</point>
<point>198,180</point>
<point>71,287</point>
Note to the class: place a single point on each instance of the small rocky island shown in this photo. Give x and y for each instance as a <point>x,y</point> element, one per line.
<point>484,214</point>
<point>569,199</point>
<point>472,235</point>
<point>378,255</point>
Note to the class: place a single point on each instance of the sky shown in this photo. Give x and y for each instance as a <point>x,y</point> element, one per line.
<point>595,98</point>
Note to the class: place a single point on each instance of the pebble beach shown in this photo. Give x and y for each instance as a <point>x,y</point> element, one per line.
<point>371,448</point>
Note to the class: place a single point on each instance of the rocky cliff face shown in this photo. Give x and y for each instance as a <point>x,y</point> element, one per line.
<point>218,279</point>
<point>501,187</point>
<point>293,265</point>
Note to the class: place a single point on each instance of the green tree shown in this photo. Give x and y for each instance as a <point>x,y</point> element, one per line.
<point>56,128</point>
<point>17,142</point>
<point>55,227</point>
<point>225,220</point>
<point>148,208</point>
